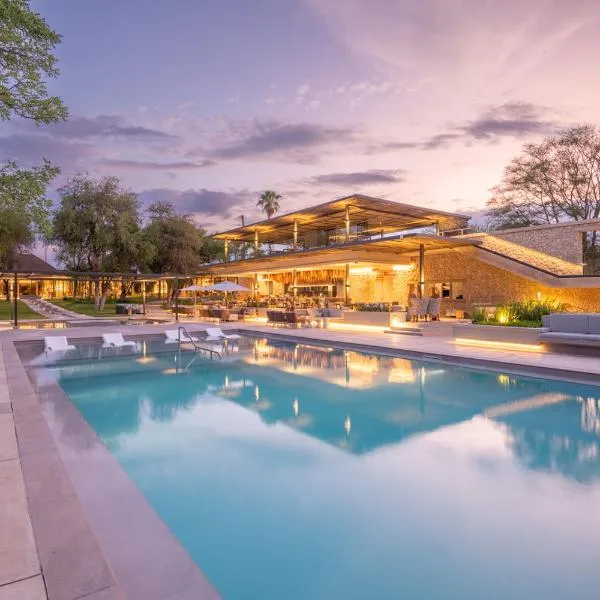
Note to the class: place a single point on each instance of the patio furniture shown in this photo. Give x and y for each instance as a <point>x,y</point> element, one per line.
<point>579,329</point>
<point>57,343</point>
<point>173,337</point>
<point>433,308</point>
<point>116,340</point>
<point>417,308</point>
<point>216,334</point>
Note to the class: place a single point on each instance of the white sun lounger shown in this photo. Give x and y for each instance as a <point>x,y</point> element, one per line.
<point>172,336</point>
<point>57,343</point>
<point>115,340</point>
<point>216,334</point>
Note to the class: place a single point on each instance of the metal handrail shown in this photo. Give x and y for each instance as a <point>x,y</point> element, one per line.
<point>197,348</point>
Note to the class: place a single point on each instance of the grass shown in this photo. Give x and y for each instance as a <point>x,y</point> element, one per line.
<point>24,311</point>
<point>86,308</point>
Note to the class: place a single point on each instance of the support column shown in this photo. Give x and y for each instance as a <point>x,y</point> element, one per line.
<point>294,290</point>
<point>347,223</point>
<point>144,298</point>
<point>16,300</point>
<point>256,244</point>
<point>421,271</point>
<point>176,292</point>
<point>226,250</point>
<point>347,284</point>
<point>295,232</point>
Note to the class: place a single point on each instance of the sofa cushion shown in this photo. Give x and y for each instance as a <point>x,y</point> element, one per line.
<point>568,322</point>
<point>594,324</point>
<point>575,339</point>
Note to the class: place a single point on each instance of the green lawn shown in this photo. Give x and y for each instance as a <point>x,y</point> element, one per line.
<point>24,311</point>
<point>86,308</point>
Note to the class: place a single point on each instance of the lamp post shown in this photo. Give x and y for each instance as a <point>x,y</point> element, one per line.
<point>16,299</point>
<point>421,271</point>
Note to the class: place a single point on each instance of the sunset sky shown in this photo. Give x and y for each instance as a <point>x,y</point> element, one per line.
<point>207,103</point>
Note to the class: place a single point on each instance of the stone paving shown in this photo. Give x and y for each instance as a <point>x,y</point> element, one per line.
<point>20,572</point>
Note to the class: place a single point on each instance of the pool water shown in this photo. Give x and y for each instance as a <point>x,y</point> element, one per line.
<point>299,472</point>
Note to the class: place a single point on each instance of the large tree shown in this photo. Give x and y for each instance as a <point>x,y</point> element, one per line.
<point>179,246</point>
<point>97,228</point>
<point>26,61</point>
<point>552,181</point>
<point>176,240</point>
<point>24,211</point>
<point>269,202</point>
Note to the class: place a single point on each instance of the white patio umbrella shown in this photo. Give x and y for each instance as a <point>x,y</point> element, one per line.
<point>194,288</point>
<point>227,286</point>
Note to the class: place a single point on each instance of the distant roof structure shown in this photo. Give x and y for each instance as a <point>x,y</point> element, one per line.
<point>30,263</point>
<point>383,215</point>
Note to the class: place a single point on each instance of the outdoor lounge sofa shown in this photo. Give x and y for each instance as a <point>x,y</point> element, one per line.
<point>580,329</point>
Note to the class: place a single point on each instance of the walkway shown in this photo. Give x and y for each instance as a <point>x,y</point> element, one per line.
<point>51,311</point>
<point>20,572</point>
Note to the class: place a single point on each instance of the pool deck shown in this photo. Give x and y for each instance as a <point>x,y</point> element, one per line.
<point>61,542</point>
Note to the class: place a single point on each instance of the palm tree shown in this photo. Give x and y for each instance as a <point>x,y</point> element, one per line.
<point>269,202</point>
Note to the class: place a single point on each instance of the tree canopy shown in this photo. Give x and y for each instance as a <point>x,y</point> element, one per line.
<point>27,44</point>
<point>552,181</point>
<point>26,61</point>
<point>176,240</point>
<point>97,226</point>
<point>24,208</point>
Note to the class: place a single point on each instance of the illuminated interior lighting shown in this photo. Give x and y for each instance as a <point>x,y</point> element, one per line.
<point>403,268</point>
<point>500,345</point>
<point>361,271</point>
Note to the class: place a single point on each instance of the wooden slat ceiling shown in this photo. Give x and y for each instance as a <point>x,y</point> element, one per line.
<point>381,215</point>
<point>407,244</point>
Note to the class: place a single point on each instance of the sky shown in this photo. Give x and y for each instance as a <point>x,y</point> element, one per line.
<point>206,104</point>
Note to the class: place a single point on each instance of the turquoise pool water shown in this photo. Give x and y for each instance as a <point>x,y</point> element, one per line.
<point>293,472</point>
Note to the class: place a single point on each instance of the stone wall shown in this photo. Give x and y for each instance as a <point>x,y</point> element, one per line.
<point>483,283</point>
<point>561,240</point>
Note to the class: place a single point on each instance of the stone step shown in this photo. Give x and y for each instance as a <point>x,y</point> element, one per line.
<point>406,331</point>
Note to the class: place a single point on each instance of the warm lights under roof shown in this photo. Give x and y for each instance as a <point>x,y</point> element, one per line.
<point>403,268</point>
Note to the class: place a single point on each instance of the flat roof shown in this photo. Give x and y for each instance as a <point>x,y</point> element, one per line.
<point>382,215</point>
<point>395,245</point>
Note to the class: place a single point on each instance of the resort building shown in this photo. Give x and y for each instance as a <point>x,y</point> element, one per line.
<point>360,250</point>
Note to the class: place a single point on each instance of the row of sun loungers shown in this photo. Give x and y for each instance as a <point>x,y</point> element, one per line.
<point>59,343</point>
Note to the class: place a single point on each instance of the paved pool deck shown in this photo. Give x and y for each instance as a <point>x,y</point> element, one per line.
<point>60,541</point>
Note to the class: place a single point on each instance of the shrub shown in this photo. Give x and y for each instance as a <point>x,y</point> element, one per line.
<point>524,313</point>
<point>478,316</point>
<point>372,307</point>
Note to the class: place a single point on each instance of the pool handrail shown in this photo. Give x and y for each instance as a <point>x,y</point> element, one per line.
<point>191,340</point>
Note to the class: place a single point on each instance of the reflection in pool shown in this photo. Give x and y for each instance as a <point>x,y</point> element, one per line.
<point>303,472</point>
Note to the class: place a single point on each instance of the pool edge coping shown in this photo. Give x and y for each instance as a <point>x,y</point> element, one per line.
<point>483,364</point>
<point>40,442</point>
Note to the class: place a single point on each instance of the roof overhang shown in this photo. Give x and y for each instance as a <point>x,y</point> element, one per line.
<point>384,251</point>
<point>382,215</point>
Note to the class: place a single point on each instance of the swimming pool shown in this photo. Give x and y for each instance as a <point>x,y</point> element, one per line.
<point>305,472</point>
